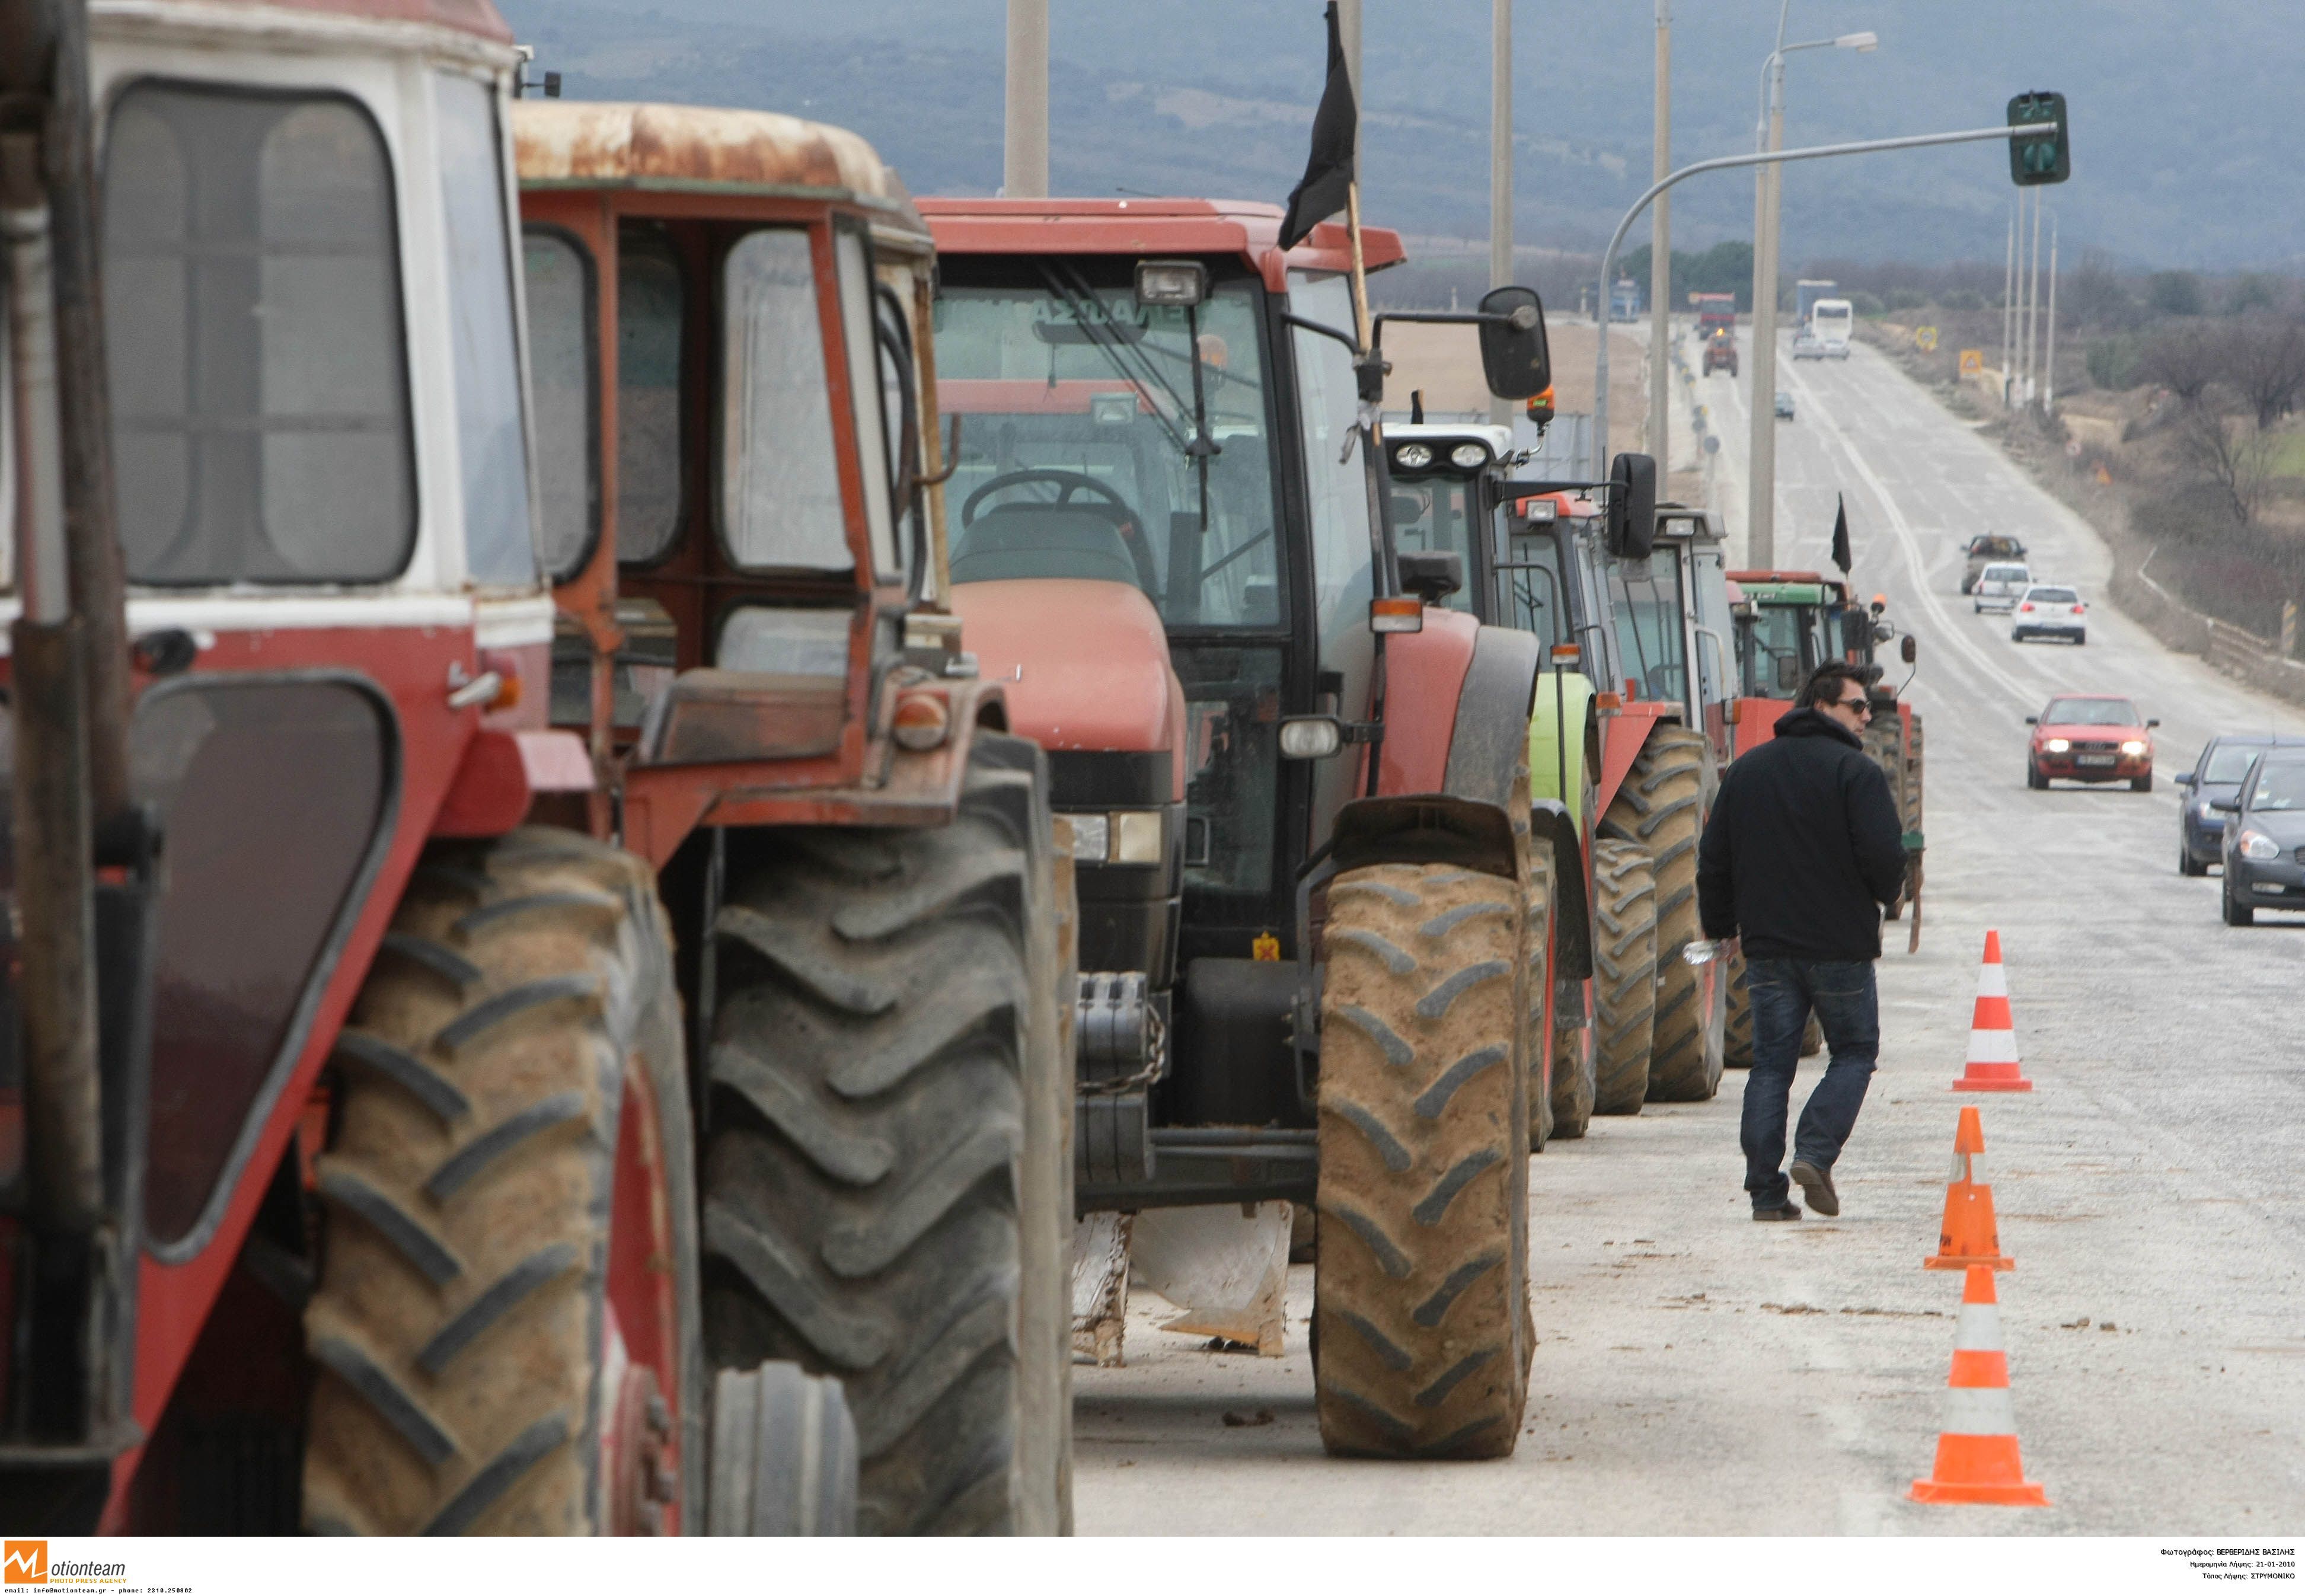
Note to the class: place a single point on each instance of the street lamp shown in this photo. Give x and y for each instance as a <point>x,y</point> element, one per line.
<point>1768,134</point>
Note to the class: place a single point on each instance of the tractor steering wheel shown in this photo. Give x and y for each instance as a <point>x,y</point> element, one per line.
<point>1071,482</point>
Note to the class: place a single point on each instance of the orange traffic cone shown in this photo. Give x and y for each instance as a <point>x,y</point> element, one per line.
<point>1993,1064</point>
<point>1969,1235</point>
<point>1976,1450</point>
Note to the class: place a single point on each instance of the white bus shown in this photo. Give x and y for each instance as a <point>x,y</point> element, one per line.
<point>1829,323</point>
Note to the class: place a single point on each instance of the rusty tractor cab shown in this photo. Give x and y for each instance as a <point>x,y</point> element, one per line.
<point>397,1227</point>
<point>1318,936</point>
<point>1610,732</point>
<point>728,315</point>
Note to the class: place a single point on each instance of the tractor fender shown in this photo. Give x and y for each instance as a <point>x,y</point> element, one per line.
<point>1488,746</point>
<point>1553,825</point>
<point>1425,829</point>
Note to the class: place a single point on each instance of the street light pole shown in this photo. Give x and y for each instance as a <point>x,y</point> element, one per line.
<point>1761,465</point>
<point>2049,359</point>
<point>1660,253</point>
<point>2008,307</point>
<point>1501,163</point>
<point>2033,304</point>
<point>1024,143</point>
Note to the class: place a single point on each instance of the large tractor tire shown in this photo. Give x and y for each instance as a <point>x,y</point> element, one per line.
<point>784,1454</point>
<point>1575,1063</point>
<point>1624,975</point>
<point>521,1017</point>
<point>1421,1287</point>
<point>1538,900</point>
<point>890,1104</point>
<point>1661,806</point>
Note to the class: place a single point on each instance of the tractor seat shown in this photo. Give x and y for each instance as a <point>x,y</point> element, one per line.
<point>1040,540</point>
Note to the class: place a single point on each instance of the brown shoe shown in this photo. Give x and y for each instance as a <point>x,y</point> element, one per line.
<point>1817,1185</point>
<point>1787,1209</point>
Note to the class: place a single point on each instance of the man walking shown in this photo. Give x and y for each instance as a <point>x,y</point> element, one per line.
<point>1803,849</point>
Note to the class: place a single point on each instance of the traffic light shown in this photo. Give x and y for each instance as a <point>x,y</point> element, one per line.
<point>2047,158</point>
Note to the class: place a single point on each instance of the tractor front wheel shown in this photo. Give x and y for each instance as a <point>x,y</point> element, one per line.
<point>506,1323</point>
<point>1421,1298</point>
<point>1624,975</point>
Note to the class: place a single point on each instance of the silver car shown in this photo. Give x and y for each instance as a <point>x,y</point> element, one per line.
<point>2043,611</point>
<point>1998,587</point>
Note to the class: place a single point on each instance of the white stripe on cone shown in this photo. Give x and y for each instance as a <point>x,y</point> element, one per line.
<point>1992,1047</point>
<point>1992,980</point>
<point>1980,1410</point>
<point>1978,1327</point>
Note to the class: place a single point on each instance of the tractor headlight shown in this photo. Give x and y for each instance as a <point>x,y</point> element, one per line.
<point>1412,457</point>
<point>1468,457</point>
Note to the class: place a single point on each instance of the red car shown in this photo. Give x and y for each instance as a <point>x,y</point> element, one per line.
<point>2080,738</point>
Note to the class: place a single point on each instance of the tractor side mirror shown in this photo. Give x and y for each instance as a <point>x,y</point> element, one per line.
<point>1514,356</point>
<point>1433,573</point>
<point>1909,651</point>
<point>1631,529</point>
<point>1789,674</point>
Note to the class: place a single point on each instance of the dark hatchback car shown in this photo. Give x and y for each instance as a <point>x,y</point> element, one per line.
<point>2265,838</point>
<point>2216,774</point>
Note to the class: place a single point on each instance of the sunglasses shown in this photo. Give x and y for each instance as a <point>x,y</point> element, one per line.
<point>1862,706</point>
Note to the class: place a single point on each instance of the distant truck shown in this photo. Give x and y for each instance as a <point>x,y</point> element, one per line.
<point>1715,312</point>
<point>1625,301</point>
<point>1829,323</point>
<point>1721,352</point>
<point>1806,295</point>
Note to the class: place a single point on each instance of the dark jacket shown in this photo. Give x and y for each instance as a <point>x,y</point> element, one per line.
<point>1803,848</point>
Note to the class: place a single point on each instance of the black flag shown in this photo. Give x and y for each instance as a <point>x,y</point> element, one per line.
<point>1840,534</point>
<point>1330,171</point>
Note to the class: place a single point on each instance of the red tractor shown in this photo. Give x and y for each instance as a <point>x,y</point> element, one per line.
<point>1314,890</point>
<point>436,1163</point>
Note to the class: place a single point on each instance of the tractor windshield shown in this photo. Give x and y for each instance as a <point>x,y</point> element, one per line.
<point>1092,446</point>
<point>1531,585</point>
<point>1775,658</point>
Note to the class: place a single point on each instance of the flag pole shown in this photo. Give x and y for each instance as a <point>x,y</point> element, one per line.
<point>1360,272</point>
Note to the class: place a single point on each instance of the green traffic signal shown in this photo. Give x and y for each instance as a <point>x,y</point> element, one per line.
<point>2047,157</point>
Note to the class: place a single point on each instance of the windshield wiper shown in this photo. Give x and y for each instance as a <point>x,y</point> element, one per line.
<point>1088,312</point>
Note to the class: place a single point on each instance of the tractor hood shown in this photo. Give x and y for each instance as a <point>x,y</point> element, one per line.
<point>1085,664</point>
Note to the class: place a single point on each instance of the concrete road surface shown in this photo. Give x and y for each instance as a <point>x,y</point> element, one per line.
<point>1700,1373</point>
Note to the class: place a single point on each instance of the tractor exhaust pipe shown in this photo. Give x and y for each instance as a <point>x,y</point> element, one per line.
<point>54,831</point>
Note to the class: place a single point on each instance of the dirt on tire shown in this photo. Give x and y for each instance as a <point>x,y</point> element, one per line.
<point>891,1108</point>
<point>1422,1287</point>
<point>456,1326</point>
<point>1624,975</point>
<point>1538,900</point>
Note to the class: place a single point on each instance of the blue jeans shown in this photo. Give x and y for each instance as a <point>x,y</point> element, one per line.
<point>1848,1007</point>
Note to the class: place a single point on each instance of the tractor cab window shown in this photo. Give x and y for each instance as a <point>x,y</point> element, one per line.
<point>255,336</point>
<point>563,369</point>
<point>1436,514</point>
<point>1779,650</point>
<point>1110,440</point>
<point>780,504</point>
<point>1647,596</point>
<point>650,306</point>
<point>1531,588</point>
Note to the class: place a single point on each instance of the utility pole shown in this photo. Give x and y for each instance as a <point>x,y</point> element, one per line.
<point>2049,360</point>
<point>1761,461</point>
<point>1348,34</point>
<point>1660,253</point>
<point>1501,163</point>
<point>2008,307</point>
<point>1024,143</point>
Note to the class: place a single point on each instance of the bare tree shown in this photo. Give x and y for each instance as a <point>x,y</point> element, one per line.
<point>2264,361</point>
<point>2097,295</point>
<point>2218,437</point>
<point>2185,360</point>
